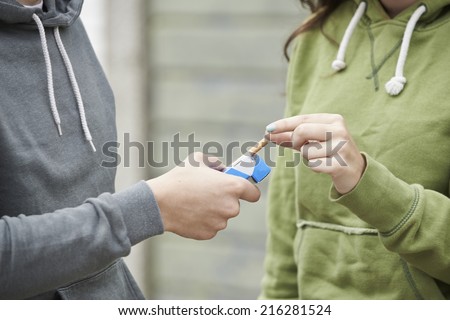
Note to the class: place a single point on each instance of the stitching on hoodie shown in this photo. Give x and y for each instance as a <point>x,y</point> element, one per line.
<point>410,279</point>
<point>376,81</point>
<point>118,264</point>
<point>407,216</point>
<point>377,67</point>
<point>90,278</point>
<point>130,286</point>
<point>385,58</point>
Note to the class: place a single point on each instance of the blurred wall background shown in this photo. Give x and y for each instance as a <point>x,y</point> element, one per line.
<point>212,70</point>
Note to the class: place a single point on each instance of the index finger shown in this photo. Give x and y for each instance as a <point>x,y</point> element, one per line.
<point>289,124</point>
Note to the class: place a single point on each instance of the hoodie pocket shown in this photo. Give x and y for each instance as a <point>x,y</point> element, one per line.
<point>113,283</point>
<point>339,262</point>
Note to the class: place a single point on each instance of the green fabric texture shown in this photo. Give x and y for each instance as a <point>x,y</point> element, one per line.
<point>389,237</point>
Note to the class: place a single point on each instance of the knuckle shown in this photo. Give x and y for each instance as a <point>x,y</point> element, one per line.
<point>209,235</point>
<point>283,123</point>
<point>198,156</point>
<point>258,194</point>
<point>338,118</point>
<point>239,185</point>
<point>304,118</point>
<point>228,210</point>
<point>193,155</point>
<point>340,132</point>
<point>305,151</point>
<point>234,209</point>
<point>300,130</point>
<point>222,225</point>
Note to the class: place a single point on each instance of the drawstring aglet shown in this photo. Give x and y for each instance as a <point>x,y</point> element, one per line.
<point>92,146</point>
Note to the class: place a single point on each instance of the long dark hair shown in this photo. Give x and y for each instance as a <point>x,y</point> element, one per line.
<point>320,10</point>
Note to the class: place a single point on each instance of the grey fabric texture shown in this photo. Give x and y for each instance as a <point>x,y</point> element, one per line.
<point>61,221</point>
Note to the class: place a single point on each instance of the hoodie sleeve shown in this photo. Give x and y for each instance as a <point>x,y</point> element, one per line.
<point>42,252</point>
<point>412,221</point>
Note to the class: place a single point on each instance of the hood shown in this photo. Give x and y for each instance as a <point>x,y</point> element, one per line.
<point>421,14</point>
<point>57,13</point>
<point>433,8</point>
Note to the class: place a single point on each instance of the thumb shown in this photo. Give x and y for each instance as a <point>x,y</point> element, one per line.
<point>248,191</point>
<point>198,159</point>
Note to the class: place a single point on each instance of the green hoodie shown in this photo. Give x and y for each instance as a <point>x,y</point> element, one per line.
<point>389,238</point>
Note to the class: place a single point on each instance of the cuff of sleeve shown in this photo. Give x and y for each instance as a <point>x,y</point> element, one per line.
<point>140,212</point>
<point>379,198</point>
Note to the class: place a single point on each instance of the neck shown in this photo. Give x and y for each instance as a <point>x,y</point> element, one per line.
<point>394,7</point>
<point>29,2</point>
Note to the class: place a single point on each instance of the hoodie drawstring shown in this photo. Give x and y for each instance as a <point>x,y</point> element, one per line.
<point>48,65</point>
<point>398,81</point>
<point>71,74</point>
<point>339,63</point>
<point>75,87</point>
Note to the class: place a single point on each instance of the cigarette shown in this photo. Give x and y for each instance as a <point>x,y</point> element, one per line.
<point>261,144</point>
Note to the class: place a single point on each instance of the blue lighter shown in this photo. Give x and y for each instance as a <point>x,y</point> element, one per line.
<point>249,166</point>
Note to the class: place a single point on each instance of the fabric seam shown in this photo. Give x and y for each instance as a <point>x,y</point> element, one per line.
<point>130,286</point>
<point>376,81</point>
<point>93,277</point>
<point>406,217</point>
<point>410,279</point>
<point>387,56</point>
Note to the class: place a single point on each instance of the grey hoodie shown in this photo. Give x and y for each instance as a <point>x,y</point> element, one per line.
<point>63,230</point>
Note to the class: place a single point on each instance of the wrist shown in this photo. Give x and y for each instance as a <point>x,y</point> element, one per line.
<point>348,181</point>
<point>158,188</point>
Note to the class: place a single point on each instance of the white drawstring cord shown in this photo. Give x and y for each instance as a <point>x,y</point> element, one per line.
<point>339,63</point>
<point>48,65</point>
<point>397,82</point>
<point>73,80</point>
<point>75,87</point>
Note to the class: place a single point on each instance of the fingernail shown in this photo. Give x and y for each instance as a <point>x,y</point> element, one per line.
<point>271,127</point>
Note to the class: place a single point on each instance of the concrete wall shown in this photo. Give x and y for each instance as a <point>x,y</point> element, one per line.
<point>216,70</point>
<point>212,68</point>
